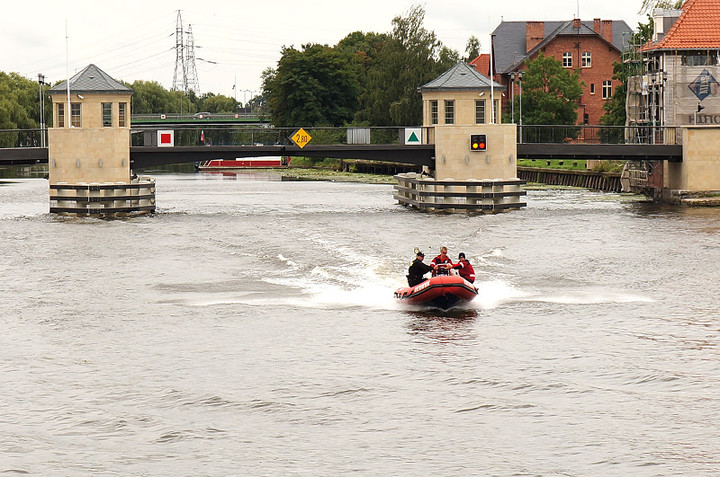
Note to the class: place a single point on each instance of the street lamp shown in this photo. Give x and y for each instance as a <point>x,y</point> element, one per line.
<point>520,75</point>
<point>41,82</point>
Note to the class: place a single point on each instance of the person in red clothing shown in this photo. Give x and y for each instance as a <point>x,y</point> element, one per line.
<point>441,263</point>
<point>465,269</point>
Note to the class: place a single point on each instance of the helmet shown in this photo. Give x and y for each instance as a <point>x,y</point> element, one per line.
<point>461,255</point>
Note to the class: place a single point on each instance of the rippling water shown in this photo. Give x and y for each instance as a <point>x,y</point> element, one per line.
<point>248,328</point>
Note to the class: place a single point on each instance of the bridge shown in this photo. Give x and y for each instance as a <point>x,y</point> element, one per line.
<point>198,142</point>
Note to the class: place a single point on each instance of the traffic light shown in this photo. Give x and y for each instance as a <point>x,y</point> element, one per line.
<point>478,142</point>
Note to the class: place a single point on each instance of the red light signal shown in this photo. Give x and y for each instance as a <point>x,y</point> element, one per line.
<point>478,142</point>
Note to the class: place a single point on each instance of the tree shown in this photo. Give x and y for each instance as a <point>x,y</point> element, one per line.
<point>19,109</point>
<point>615,114</point>
<point>150,97</point>
<point>549,93</point>
<point>217,103</point>
<point>315,86</point>
<point>472,49</point>
<point>649,5</point>
<point>412,57</point>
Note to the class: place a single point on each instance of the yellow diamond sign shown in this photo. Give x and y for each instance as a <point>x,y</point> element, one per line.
<point>301,138</point>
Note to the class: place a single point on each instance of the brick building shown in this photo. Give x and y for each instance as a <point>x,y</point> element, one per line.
<point>588,47</point>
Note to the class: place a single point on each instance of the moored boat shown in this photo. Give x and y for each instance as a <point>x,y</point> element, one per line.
<point>243,163</point>
<point>440,291</point>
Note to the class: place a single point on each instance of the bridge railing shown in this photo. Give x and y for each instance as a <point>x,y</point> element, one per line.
<point>249,136</point>
<point>196,117</point>
<point>196,134</point>
<point>582,134</point>
<point>23,137</point>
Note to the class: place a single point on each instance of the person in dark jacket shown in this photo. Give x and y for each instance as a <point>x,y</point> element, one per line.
<point>465,269</point>
<point>417,270</point>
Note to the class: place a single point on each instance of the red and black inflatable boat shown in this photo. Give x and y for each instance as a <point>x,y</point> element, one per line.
<point>440,291</point>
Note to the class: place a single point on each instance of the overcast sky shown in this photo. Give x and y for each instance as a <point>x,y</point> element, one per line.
<point>235,40</point>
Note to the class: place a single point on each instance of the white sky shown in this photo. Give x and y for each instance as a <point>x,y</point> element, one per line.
<point>134,40</point>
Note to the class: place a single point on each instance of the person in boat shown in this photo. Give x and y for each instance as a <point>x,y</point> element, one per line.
<point>418,269</point>
<point>442,263</point>
<point>464,268</point>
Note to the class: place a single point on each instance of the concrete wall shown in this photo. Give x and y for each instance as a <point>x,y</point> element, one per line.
<point>454,159</point>
<point>90,153</point>
<point>700,169</point>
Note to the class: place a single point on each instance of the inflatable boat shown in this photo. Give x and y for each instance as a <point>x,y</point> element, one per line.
<point>440,291</point>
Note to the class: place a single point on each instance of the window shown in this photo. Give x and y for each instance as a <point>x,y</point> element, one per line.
<point>107,115</point>
<point>592,88</point>
<point>700,58</point>
<point>75,109</point>
<point>122,114</point>
<point>433,112</point>
<point>567,59</point>
<point>449,112</point>
<point>586,59</point>
<point>61,115</point>
<point>607,89</point>
<point>479,111</point>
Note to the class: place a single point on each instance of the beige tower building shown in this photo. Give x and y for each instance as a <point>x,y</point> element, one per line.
<point>89,147</point>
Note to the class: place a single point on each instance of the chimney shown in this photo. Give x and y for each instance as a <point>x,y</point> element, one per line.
<point>534,34</point>
<point>597,27</point>
<point>576,23</point>
<point>607,32</point>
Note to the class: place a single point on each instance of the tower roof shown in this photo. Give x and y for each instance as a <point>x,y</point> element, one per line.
<point>698,27</point>
<point>460,77</point>
<point>91,80</point>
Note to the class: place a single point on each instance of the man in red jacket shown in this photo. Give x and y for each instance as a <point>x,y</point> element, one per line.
<point>441,263</point>
<point>465,269</point>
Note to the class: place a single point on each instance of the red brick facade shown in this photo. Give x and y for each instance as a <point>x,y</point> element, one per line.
<point>602,56</point>
<point>583,47</point>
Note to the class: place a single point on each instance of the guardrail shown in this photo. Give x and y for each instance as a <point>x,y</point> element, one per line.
<point>194,134</point>
<point>548,134</point>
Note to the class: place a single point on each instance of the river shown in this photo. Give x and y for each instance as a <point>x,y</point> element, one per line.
<point>249,328</point>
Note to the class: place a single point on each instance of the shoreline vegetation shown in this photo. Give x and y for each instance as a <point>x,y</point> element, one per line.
<point>334,170</point>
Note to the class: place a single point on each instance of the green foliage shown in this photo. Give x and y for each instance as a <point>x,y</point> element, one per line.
<point>472,49</point>
<point>20,109</point>
<point>151,97</point>
<point>615,108</point>
<point>216,103</point>
<point>549,93</point>
<point>315,86</point>
<point>411,58</point>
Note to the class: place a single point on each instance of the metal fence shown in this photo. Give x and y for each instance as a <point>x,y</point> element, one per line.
<point>197,134</point>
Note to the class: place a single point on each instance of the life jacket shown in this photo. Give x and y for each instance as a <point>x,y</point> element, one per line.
<point>466,270</point>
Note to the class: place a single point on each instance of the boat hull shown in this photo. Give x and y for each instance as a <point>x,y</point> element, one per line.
<point>243,163</point>
<point>443,291</point>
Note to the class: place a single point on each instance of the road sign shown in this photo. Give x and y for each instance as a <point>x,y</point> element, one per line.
<point>301,138</point>
<point>412,136</point>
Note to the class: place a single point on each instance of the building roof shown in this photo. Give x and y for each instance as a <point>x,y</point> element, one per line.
<point>510,47</point>
<point>482,64</point>
<point>460,77</point>
<point>91,80</point>
<point>698,27</point>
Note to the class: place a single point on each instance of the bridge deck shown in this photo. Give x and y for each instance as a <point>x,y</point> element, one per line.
<point>421,155</point>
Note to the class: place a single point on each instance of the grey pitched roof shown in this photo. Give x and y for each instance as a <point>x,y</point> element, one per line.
<point>460,77</point>
<point>91,80</point>
<point>510,47</point>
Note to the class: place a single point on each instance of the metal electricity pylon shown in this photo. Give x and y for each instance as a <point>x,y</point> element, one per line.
<point>191,76</point>
<point>180,76</point>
